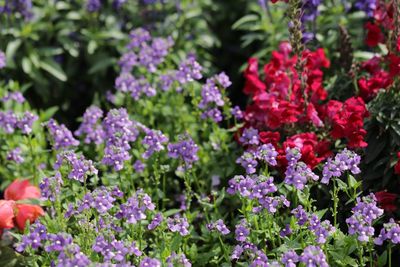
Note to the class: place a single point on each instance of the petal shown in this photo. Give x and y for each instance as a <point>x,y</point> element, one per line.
<point>21,189</point>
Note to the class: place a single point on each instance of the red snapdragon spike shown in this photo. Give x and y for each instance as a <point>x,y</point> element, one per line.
<point>386,200</point>
<point>253,83</point>
<point>370,87</point>
<point>27,212</point>
<point>7,214</point>
<point>270,137</point>
<point>394,65</point>
<point>374,35</point>
<point>21,189</point>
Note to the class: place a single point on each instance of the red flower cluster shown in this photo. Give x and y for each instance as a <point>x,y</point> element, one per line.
<point>386,200</point>
<point>283,102</point>
<point>377,77</point>
<point>14,213</point>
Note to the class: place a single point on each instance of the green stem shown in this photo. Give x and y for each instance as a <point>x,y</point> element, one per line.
<point>335,203</point>
<point>390,256</point>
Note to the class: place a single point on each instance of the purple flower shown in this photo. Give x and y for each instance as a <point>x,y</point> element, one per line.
<point>285,231</point>
<point>300,214</point>
<point>368,6</point>
<point>189,70</point>
<point>289,258</point>
<point>210,95</point>
<point>250,137</point>
<point>58,242</point>
<point>213,113</point>
<point>247,160</point>
<point>2,60</point>
<point>241,232</point>
<point>50,187</point>
<point>139,166</point>
<point>62,137</point>
<point>135,208</point>
<point>153,142</point>
<point>149,262</point>
<point>364,213</point>
<point>166,81</point>
<point>8,121</point>
<point>346,160</point>
<point>127,61</point>
<point>186,149</point>
<point>158,218</point>
<point>93,5</point>
<point>72,256</point>
<point>313,256</point>
<point>25,123</point>
<point>15,155</point>
<point>297,173</point>
<point>390,231</point>
<point>80,167</point>
<point>34,239</point>
<point>13,96</point>
<point>220,226</point>
<point>91,127</point>
<point>223,80</point>
<point>138,36</point>
<point>178,260</point>
<point>237,112</point>
<point>267,153</point>
<point>178,224</point>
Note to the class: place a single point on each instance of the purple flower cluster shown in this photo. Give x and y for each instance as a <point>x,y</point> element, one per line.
<point>115,250</point>
<point>390,231</point>
<point>126,83</point>
<point>237,113</point>
<point>23,7</point>
<point>119,132</point>
<point>368,6</point>
<point>211,96</point>
<point>50,187</point>
<point>250,137</point>
<point>290,258</point>
<point>91,126</point>
<point>61,136</point>
<point>218,225</point>
<point>364,214</point>
<point>34,239</point>
<point>80,167</point>
<point>72,256</point>
<point>257,257</point>
<point>297,173</point>
<point>15,155</point>
<point>248,161</point>
<point>189,70</point>
<point>13,96</point>
<point>313,256</point>
<point>153,142</point>
<point>150,262</point>
<point>321,230</point>
<point>178,224</point>
<point>58,242</point>
<point>186,149</point>
<point>135,208</point>
<point>157,220</point>
<point>2,58</point>
<point>9,122</point>
<point>344,161</point>
<point>149,52</point>
<point>178,260</point>
<point>242,231</point>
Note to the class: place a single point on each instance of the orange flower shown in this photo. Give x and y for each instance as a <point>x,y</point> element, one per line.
<point>6,214</point>
<point>19,190</point>
<point>27,212</point>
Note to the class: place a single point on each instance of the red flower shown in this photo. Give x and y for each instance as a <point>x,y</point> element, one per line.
<point>18,190</point>
<point>386,201</point>
<point>253,83</point>
<point>6,214</point>
<point>313,151</point>
<point>397,166</point>
<point>270,137</point>
<point>374,35</point>
<point>14,213</point>
<point>26,212</point>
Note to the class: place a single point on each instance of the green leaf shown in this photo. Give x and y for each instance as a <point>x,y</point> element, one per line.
<point>171,212</point>
<point>8,257</point>
<point>249,18</point>
<point>26,65</point>
<point>101,65</point>
<point>176,242</point>
<point>12,47</point>
<point>382,259</point>
<point>342,185</point>
<point>54,69</point>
